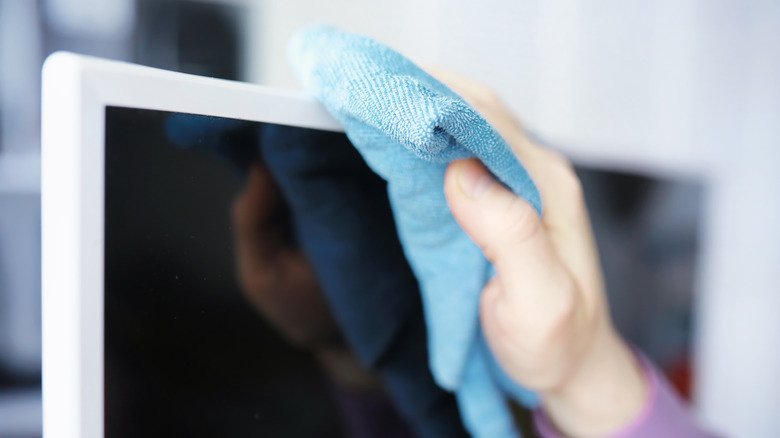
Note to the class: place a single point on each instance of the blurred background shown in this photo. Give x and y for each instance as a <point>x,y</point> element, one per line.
<point>670,109</point>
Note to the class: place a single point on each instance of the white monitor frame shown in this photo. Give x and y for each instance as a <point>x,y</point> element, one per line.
<point>76,91</point>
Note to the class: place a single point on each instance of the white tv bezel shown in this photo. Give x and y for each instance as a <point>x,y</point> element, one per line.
<point>76,91</point>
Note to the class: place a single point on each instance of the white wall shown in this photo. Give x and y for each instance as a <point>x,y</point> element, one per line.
<point>615,76</point>
<point>738,121</point>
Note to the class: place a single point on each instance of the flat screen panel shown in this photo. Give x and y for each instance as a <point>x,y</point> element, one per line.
<point>186,354</point>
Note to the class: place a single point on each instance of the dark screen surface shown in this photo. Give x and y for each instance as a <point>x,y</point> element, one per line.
<point>186,355</point>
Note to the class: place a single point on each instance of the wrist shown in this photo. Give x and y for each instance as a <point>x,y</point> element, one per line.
<point>604,393</point>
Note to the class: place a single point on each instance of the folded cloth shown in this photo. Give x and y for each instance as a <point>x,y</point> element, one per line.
<point>408,127</point>
<point>343,222</point>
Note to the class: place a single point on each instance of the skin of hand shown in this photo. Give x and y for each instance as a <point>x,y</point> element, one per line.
<point>280,283</point>
<point>544,314</point>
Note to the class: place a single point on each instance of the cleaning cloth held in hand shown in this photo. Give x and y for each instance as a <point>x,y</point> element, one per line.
<point>409,127</point>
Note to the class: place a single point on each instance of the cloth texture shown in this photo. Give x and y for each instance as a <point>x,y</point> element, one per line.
<point>343,222</point>
<point>409,127</point>
<point>663,415</point>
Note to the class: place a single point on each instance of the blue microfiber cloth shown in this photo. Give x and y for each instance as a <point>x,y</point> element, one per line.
<point>408,127</point>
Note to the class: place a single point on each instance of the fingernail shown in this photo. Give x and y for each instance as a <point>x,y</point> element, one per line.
<point>473,179</point>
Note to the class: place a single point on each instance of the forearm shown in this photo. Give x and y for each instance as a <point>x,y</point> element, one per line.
<point>662,413</point>
<point>603,393</point>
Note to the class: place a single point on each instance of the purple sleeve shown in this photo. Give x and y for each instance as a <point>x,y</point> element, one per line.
<point>663,415</point>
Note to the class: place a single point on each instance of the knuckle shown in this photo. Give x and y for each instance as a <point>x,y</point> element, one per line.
<point>483,97</point>
<point>572,184</point>
<point>517,225</point>
<point>488,98</point>
<point>548,334</point>
<point>522,222</point>
<point>567,180</point>
<point>558,322</point>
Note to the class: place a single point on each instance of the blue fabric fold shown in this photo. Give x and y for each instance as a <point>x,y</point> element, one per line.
<point>408,127</point>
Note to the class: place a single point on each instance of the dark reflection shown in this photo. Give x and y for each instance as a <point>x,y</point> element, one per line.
<point>353,275</point>
<point>185,353</point>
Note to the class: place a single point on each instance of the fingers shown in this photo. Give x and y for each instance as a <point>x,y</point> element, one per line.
<point>505,226</point>
<point>531,305</point>
<point>545,167</point>
<point>488,103</point>
<point>565,214</point>
<point>545,311</point>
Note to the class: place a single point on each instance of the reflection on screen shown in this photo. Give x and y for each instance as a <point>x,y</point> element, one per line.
<point>186,355</point>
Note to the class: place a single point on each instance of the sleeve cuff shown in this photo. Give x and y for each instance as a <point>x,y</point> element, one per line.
<point>663,414</point>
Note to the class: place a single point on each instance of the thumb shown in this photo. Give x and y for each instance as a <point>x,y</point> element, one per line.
<point>505,226</point>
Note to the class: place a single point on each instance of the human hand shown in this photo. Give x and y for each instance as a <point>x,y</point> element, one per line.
<point>545,314</point>
<point>280,283</point>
